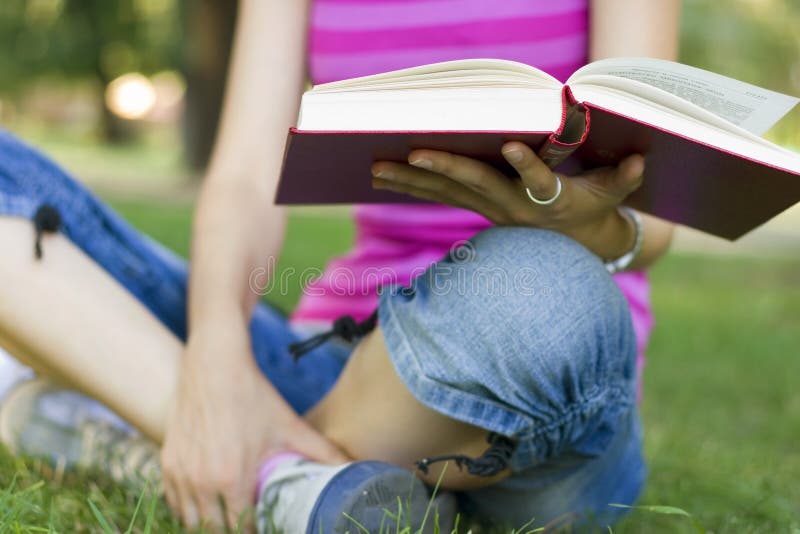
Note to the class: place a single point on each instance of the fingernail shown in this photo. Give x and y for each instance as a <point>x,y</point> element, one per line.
<point>638,166</point>
<point>386,175</point>
<point>422,164</point>
<point>513,155</point>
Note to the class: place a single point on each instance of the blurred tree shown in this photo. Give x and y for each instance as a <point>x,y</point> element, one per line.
<point>87,39</point>
<point>209,26</point>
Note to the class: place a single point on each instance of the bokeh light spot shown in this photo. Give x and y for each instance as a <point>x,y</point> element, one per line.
<point>131,96</point>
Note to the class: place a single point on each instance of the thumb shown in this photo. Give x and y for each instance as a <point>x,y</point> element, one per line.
<point>307,441</point>
<point>627,176</point>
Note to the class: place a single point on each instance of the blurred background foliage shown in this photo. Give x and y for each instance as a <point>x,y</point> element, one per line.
<point>757,41</point>
<point>59,60</point>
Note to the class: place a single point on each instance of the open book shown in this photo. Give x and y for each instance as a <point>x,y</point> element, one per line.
<point>706,165</point>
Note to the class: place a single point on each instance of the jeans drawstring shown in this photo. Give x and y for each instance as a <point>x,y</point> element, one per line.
<point>46,219</point>
<point>344,327</point>
<point>496,458</point>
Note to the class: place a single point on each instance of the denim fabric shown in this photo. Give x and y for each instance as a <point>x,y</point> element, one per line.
<point>573,487</point>
<point>522,331</point>
<point>518,331</point>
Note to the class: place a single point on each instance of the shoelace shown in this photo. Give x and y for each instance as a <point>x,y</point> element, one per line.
<point>344,327</point>
<point>128,458</point>
<point>496,458</point>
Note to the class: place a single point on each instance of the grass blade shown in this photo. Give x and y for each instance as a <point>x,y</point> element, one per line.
<point>665,510</point>
<point>361,527</point>
<point>104,524</point>
<point>136,511</point>
<point>151,514</point>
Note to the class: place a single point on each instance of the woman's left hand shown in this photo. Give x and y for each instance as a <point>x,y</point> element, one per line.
<point>585,209</point>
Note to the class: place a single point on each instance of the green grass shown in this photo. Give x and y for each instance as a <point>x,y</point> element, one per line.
<point>721,406</point>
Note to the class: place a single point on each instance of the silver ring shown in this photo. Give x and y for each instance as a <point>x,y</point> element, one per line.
<point>549,200</point>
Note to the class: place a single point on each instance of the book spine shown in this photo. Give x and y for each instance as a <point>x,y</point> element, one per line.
<point>575,123</point>
<point>553,153</point>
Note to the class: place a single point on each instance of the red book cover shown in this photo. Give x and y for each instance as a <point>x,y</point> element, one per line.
<point>686,181</point>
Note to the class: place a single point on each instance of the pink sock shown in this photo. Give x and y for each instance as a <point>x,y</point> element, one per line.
<point>269,466</point>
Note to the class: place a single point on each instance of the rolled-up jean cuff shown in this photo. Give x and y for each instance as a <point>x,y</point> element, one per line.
<point>553,369</point>
<point>452,402</point>
<point>484,412</point>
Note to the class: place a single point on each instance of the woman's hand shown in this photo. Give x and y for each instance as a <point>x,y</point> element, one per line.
<point>585,210</point>
<point>226,420</point>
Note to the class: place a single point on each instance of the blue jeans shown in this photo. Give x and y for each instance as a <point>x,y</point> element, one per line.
<point>519,331</point>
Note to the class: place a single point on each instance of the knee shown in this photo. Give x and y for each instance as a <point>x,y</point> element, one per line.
<point>546,255</point>
<point>526,318</point>
<point>540,278</point>
<point>512,289</point>
<point>545,298</point>
<point>523,279</point>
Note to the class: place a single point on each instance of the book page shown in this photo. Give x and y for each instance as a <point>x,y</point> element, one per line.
<point>449,70</point>
<point>438,109</point>
<point>643,110</point>
<point>748,106</point>
<point>627,89</point>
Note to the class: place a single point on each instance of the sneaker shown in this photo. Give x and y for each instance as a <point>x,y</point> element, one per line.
<point>12,373</point>
<point>304,497</point>
<point>39,418</point>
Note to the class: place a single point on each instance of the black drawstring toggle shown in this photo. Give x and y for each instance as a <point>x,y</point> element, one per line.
<point>344,327</point>
<point>46,219</point>
<point>496,458</point>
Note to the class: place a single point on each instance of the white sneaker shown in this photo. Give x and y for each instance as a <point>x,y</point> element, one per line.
<point>40,418</point>
<point>11,373</point>
<point>305,497</point>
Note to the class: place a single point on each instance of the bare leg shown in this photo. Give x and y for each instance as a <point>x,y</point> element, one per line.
<point>21,356</point>
<point>67,316</point>
<point>370,413</point>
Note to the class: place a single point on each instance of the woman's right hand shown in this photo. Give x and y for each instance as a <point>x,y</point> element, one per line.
<point>226,419</point>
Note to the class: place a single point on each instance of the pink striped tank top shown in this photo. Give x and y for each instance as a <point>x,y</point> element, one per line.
<point>350,38</point>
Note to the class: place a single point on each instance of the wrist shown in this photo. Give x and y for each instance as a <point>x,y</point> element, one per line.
<point>219,337</point>
<point>620,235</point>
<point>624,261</point>
<point>609,237</point>
<point>212,311</point>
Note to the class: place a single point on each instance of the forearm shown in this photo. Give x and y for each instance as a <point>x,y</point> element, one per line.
<point>237,227</point>
<point>654,34</point>
<point>236,230</point>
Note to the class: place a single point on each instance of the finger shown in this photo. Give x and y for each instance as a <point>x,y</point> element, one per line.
<point>628,175</point>
<point>476,175</point>
<point>442,187</point>
<point>211,511</point>
<point>311,444</point>
<point>487,209</point>
<point>238,512</point>
<point>614,183</point>
<point>188,509</point>
<point>172,496</point>
<point>168,484</point>
<point>535,175</point>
